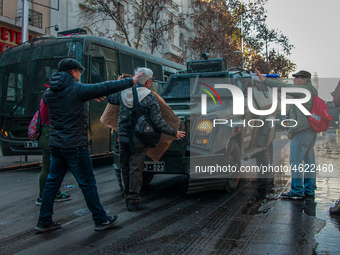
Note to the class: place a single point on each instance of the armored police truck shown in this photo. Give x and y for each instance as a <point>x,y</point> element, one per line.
<point>224,113</point>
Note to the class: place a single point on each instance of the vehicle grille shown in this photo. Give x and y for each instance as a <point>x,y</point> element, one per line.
<point>176,145</point>
<point>19,133</point>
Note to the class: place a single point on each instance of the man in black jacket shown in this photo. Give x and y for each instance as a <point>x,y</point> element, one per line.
<point>65,98</point>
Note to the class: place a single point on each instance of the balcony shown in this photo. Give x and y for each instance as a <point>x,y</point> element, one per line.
<point>35,18</point>
<point>173,52</point>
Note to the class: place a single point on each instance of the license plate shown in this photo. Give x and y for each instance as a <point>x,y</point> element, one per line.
<point>158,166</point>
<point>33,144</point>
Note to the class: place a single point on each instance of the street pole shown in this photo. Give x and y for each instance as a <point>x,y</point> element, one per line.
<point>24,30</point>
<point>242,40</point>
<point>266,50</point>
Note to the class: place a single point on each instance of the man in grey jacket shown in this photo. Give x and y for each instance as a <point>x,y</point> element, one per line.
<point>132,159</point>
<point>302,137</point>
<point>66,99</point>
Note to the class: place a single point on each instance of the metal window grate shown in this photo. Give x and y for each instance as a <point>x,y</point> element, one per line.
<point>35,18</point>
<point>1,7</point>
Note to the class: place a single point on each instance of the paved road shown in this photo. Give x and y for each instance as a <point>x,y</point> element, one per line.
<point>250,220</point>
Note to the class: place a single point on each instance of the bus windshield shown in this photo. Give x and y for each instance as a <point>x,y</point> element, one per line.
<point>25,71</point>
<point>186,86</point>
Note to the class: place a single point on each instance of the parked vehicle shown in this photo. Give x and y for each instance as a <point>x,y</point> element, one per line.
<point>335,112</point>
<point>204,141</point>
<point>25,69</point>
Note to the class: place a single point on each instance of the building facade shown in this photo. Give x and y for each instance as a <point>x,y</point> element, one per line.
<point>172,47</point>
<point>47,17</point>
<point>11,21</point>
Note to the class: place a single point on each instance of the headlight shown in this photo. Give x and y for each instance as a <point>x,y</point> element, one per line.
<point>3,133</point>
<point>205,126</point>
<point>203,133</point>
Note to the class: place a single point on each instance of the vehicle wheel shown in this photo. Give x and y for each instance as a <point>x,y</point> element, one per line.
<point>6,150</point>
<point>147,178</point>
<point>233,158</point>
<point>265,157</point>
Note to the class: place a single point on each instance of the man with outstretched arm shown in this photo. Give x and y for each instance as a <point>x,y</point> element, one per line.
<point>66,99</point>
<point>302,137</point>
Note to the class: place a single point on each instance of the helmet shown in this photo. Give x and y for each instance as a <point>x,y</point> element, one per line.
<point>69,64</point>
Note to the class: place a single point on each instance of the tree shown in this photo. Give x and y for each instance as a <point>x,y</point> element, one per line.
<point>155,31</point>
<point>146,18</point>
<point>276,63</point>
<point>218,31</point>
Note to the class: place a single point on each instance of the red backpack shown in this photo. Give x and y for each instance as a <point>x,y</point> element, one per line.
<point>35,126</point>
<point>320,119</point>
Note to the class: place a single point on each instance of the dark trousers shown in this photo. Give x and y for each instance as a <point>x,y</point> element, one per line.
<point>132,163</point>
<point>79,162</point>
<point>45,168</point>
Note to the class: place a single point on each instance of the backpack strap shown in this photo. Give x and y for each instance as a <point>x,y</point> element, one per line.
<point>41,104</point>
<point>129,131</point>
<point>134,107</point>
<point>135,97</point>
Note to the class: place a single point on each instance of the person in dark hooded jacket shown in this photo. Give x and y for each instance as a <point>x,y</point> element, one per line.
<point>66,99</point>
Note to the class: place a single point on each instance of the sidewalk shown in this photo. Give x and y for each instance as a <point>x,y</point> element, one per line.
<point>277,227</point>
<point>6,161</point>
<point>303,226</point>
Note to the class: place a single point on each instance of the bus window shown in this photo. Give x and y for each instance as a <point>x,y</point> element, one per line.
<point>112,72</point>
<point>15,100</point>
<point>100,51</point>
<point>104,63</point>
<point>125,63</point>
<point>68,48</point>
<point>97,70</point>
<point>137,62</point>
<point>128,64</point>
<point>15,88</point>
<point>40,74</point>
<point>156,69</point>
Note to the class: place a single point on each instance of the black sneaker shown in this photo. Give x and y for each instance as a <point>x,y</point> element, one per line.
<point>309,195</point>
<point>135,206</point>
<point>291,195</point>
<point>336,208</point>
<point>38,201</point>
<point>63,196</point>
<point>111,221</point>
<point>41,228</point>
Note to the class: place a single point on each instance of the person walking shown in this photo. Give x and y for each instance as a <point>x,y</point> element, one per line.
<point>132,157</point>
<point>336,95</point>
<point>45,148</point>
<point>336,100</point>
<point>302,137</point>
<point>66,99</point>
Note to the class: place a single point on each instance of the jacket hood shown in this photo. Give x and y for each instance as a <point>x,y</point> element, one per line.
<point>127,95</point>
<point>315,91</point>
<point>61,80</point>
